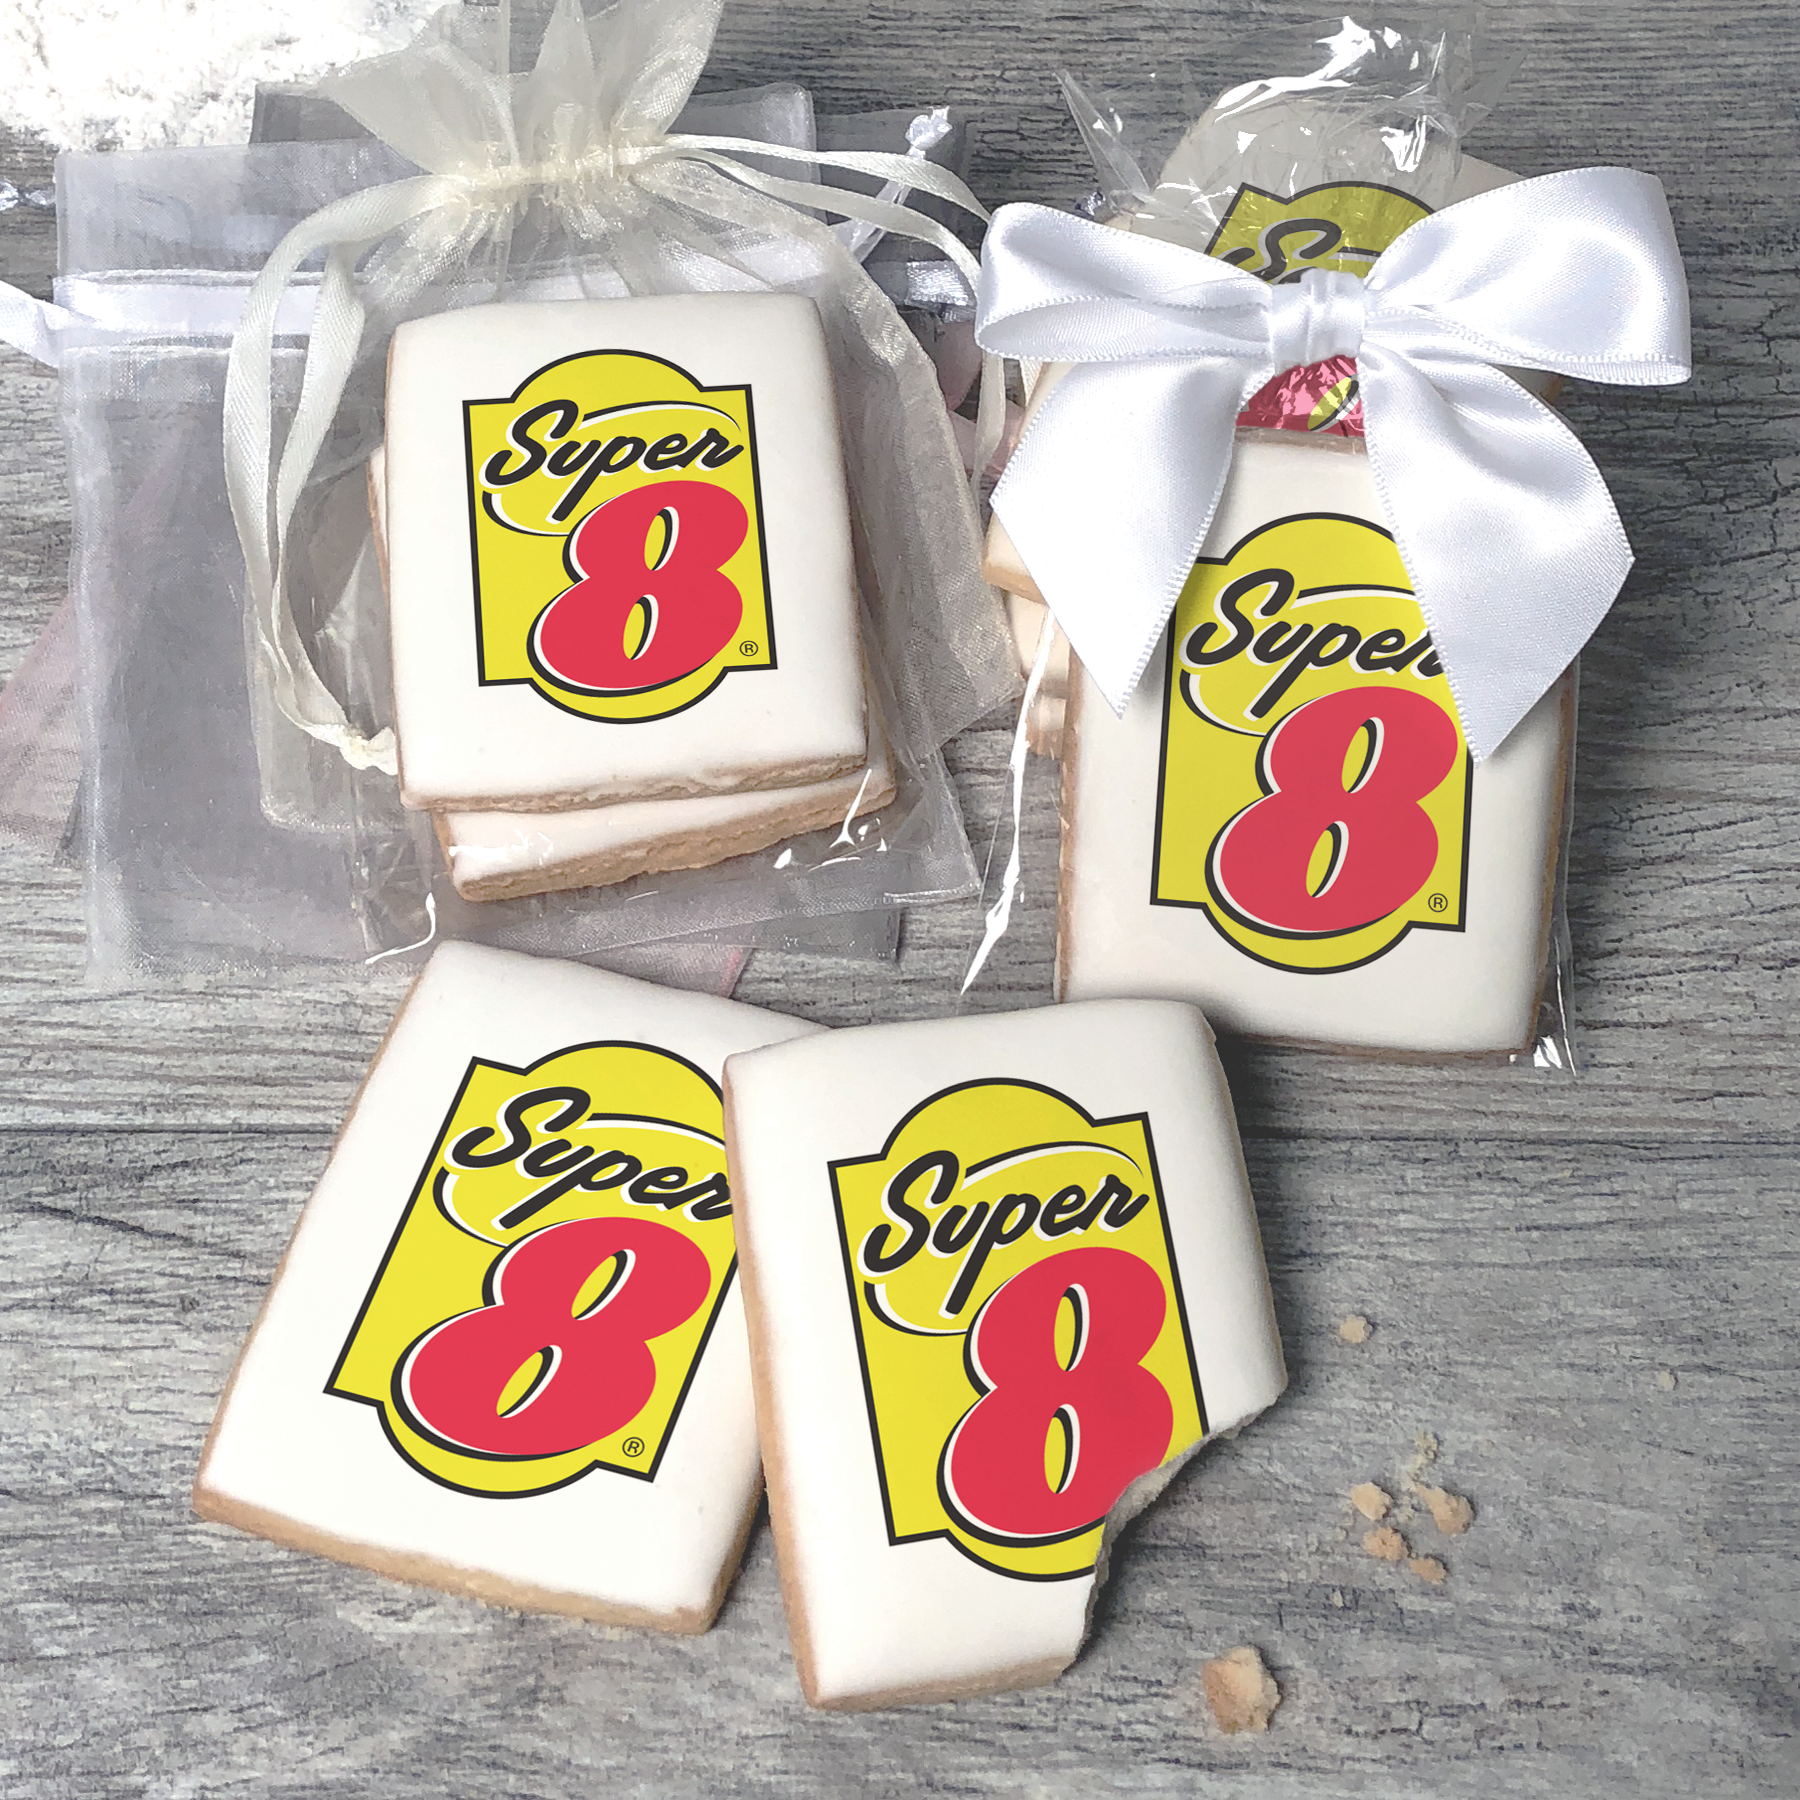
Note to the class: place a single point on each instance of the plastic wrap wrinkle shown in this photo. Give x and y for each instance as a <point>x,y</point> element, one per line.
<point>1329,105</point>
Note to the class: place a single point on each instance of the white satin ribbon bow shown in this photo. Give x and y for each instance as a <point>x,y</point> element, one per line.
<point>1512,542</point>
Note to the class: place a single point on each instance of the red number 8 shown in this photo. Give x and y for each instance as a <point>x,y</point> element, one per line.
<point>691,608</point>
<point>597,1371</point>
<point>1384,845</point>
<point>1116,1417</point>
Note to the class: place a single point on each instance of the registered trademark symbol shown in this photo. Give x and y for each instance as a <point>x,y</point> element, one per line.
<point>748,647</point>
<point>633,1446</point>
<point>1438,903</point>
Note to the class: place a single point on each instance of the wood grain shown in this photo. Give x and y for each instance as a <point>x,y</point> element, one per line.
<point>1534,1253</point>
<point>1628,1584</point>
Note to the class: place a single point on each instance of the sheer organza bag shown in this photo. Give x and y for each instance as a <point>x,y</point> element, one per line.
<point>239,802</point>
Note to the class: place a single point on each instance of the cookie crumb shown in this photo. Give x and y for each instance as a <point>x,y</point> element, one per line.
<point>1369,1500</point>
<point>1355,1329</point>
<point>1665,1379</point>
<point>1385,1543</point>
<point>1451,1513</point>
<point>1428,1568</point>
<point>1240,1690</point>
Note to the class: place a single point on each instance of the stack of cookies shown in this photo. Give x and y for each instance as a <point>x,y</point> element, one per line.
<point>621,585</point>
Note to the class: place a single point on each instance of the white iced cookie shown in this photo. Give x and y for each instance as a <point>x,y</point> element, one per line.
<point>504,1353</point>
<point>1003,1277</point>
<point>502,855</point>
<point>1286,826</point>
<point>1239,839</point>
<point>619,559</point>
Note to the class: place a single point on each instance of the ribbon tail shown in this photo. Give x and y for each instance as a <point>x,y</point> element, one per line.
<point>990,417</point>
<point>905,170</point>
<point>32,325</point>
<point>999,916</point>
<point>888,214</point>
<point>1073,501</point>
<point>1509,536</point>
<point>342,228</point>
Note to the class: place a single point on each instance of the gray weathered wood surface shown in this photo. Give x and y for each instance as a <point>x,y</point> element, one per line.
<point>1622,1619</point>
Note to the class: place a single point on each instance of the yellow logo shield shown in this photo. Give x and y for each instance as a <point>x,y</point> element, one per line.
<point>1024,1343</point>
<point>1341,225</point>
<point>616,512</point>
<point>1315,787</point>
<point>555,1277</point>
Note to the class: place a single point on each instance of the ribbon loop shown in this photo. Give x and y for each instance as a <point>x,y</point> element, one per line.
<point>1509,536</point>
<point>1314,319</point>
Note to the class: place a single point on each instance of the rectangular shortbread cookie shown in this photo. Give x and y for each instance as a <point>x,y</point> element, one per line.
<point>504,1353</point>
<point>1211,850</point>
<point>619,553</point>
<point>1002,1277</point>
<point>500,856</point>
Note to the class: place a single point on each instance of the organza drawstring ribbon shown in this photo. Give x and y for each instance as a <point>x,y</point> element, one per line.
<point>590,153</point>
<point>1507,531</point>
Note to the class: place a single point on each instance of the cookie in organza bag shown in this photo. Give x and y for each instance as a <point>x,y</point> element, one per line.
<point>631,523</point>
<point>681,595</point>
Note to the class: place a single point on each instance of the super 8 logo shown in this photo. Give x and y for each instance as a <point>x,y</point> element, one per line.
<point>1018,1312</point>
<point>1315,787</point>
<point>1341,225</point>
<point>554,1280</point>
<point>616,514</point>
